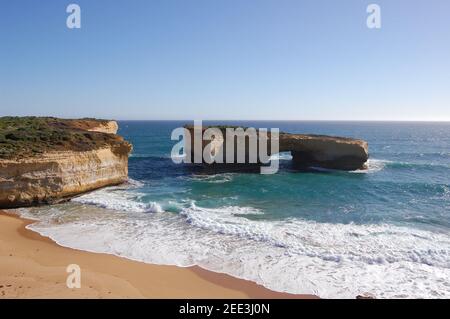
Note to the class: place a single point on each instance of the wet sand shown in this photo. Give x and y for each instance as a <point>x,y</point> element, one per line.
<point>33,266</point>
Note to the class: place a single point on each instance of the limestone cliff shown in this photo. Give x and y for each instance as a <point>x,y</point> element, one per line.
<point>105,126</point>
<point>54,175</point>
<point>325,151</point>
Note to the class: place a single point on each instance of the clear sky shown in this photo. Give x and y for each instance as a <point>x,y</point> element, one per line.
<point>226,59</point>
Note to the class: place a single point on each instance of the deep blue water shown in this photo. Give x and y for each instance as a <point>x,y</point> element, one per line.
<point>408,181</point>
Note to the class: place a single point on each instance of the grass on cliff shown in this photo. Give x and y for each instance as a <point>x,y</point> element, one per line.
<point>30,136</point>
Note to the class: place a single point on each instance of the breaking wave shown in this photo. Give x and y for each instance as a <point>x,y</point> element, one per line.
<point>291,255</point>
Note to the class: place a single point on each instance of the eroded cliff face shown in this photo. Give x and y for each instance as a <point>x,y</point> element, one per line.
<point>326,151</point>
<point>59,175</point>
<point>109,127</point>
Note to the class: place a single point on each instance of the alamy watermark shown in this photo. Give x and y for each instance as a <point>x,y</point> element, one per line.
<point>374,19</point>
<point>73,20</point>
<point>227,145</point>
<point>74,278</point>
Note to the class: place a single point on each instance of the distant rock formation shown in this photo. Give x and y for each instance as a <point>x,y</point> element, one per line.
<point>58,172</point>
<point>322,151</point>
<point>325,151</point>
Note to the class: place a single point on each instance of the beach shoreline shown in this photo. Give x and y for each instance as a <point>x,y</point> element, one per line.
<point>34,266</point>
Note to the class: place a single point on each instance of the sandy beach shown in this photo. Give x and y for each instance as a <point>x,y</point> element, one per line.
<point>33,266</point>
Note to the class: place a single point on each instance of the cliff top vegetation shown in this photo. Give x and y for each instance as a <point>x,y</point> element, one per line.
<point>22,137</point>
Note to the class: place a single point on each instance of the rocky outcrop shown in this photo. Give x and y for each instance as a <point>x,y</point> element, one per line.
<point>307,150</point>
<point>55,176</point>
<point>109,127</point>
<point>325,151</point>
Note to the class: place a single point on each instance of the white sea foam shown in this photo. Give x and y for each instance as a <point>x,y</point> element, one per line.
<point>283,156</point>
<point>297,256</point>
<point>352,242</point>
<point>373,166</point>
<point>119,199</point>
<point>215,178</point>
<point>134,183</point>
<point>225,211</point>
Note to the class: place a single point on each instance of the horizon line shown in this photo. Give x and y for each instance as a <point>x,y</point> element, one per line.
<point>243,120</point>
<point>279,120</point>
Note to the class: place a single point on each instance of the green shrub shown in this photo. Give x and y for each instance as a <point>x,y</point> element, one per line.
<point>28,136</point>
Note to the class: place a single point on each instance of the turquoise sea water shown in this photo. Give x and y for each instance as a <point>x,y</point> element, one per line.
<point>384,230</point>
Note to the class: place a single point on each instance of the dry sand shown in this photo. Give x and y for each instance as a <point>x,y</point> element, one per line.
<point>33,266</point>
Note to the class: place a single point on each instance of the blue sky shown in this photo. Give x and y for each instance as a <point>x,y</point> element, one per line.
<point>226,59</point>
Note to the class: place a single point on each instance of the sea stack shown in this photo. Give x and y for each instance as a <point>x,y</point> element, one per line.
<point>323,151</point>
<point>49,160</point>
<point>308,151</point>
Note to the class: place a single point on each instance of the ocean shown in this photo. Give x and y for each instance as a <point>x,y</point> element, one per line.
<point>384,230</point>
